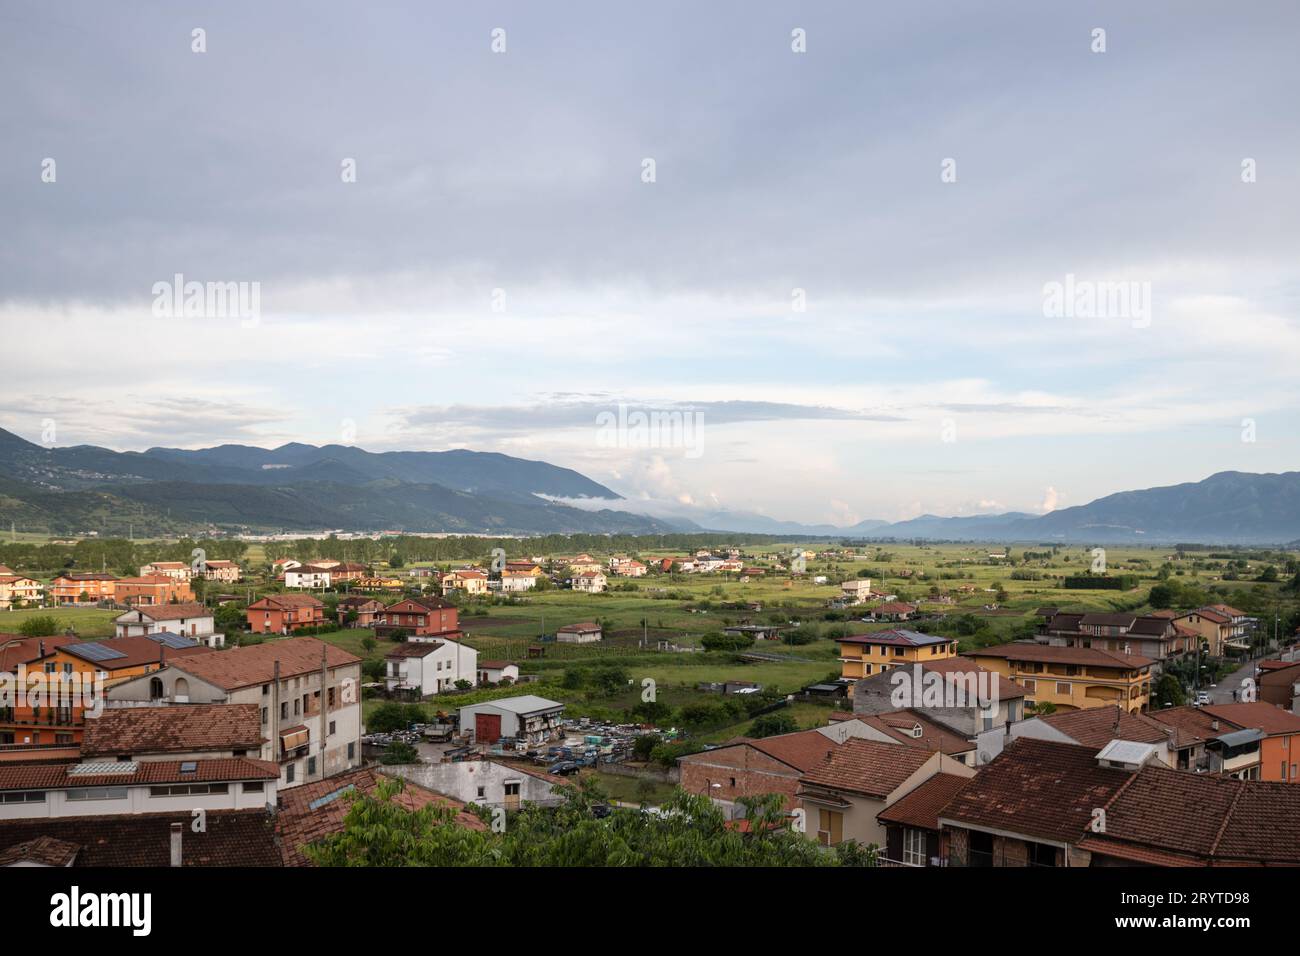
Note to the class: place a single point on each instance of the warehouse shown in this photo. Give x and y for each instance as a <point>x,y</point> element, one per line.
<point>527,719</point>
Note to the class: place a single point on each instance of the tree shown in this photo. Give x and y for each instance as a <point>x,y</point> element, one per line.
<point>392,716</point>
<point>769,725</point>
<point>1168,691</point>
<point>1162,596</point>
<point>369,643</point>
<point>644,746</point>
<point>43,625</point>
<point>716,641</point>
<point>399,751</point>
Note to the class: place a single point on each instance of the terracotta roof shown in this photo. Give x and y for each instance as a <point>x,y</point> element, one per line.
<point>956,668</point>
<point>26,650</point>
<point>1041,789</point>
<point>900,637</point>
<point>1050,653</point>
<point>494,665</point>
<point>136,652</point>
<point>1210,614</point>
<point>146,773</point>
<point>43,850</point>
<point>867,767</point>
<point>1259,715</point>
<point>232,838</point>
<point>802,750</point>
<point>899,724</point>
<point>921,807</point>
<point>1096,619</point>
<point>253,664</point>
<point>171,612</point>
<point>1191,725</point>
<point>285,602</point>
<point>179,728</point>
<point>414,649</point>
<point>1097,726</point>
<point>317,810</point>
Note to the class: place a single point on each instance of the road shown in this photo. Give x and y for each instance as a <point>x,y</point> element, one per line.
<point>1223,693</point>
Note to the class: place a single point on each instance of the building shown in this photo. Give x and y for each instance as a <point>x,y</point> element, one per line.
<point>515,581</point>
<point>627,567</point>
<point>308,577</point>
<point>425,668</point>
<point>1095,727</point>
<point>527,720</point>
<point>593,582</point>
<point>21,723</point>
<point>422,619</point>
<point>494,672</point>
<point>1071,677</point>
<point>177,570</point>
<point>308,695</point>
<point>469,581</point>
<point>484,783</point>
<point>16,590</point>
<point>862,655</point>
<point>110,787</point>
<point>191,732</point>
<point>1279,684</point>
<point>152,590</point>
<point>1251,740</point>
<point>367,611</point>
<point>190,620</point>
<point>1148,635</point>
<point>585,632</point>
<point>748,767</point>
<point>892,611</point>
<point>913,728</point>
<point>1047,803</point>
<point>913,835</point>
<point>121,658</point>
<point>955,692</point>
<point>227,572</point>
<point>842,795</point>
<point>1221,628</point>
<point>284,613</point>
<point>82,588</point>
<point>856,590</point>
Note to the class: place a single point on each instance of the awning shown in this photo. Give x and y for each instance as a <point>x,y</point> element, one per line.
<point>294,737</point>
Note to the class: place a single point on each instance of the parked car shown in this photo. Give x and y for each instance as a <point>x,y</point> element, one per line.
<point>1203,698</point>
<point>563,768</point>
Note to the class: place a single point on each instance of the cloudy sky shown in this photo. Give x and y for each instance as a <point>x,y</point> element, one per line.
<point>838,271</point>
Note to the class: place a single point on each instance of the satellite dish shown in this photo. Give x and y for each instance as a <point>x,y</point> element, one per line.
<point>985,756</point>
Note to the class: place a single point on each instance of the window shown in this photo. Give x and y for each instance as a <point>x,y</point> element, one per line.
<point>331,727</point>
<point>1063,689</point>
<point>254,786</point>
<point>23,796</point>
<point>97,793</point>
<point>914,847</point>
<point>311,766</point>
<point>263,716</point>
<point>188,789</point>
<point>352,751</point>
<point>289,772</point>
<point>284,710</point>
<point>482,791</point>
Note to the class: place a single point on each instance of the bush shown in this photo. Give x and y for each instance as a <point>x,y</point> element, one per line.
<point>769,725</point>
<point>392,716</point>
<point>42,625</point>
<point>399,751</point>
<point>644,746</point>
<point>715,641</point>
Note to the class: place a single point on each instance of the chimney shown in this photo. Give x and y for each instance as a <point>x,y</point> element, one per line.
<point>176,844</point>
<point>1214,725</point>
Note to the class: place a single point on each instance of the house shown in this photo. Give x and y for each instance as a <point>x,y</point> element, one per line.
<point>913,835</point>
<point>842,794</point>
<point>862,655</point>
<point>914,728</point>
<point>422,618</point>
<point>227,572</point>
<point>176,570</point>
<point>586,632</point>
<point>391,583</point>
<point>593,582</point>
<point>1098,726</point>
<point>1049,803</point>
<point>243,838</point>
<point>1280,685</point>
<point>21,722</point>
<point>856,590</point>
<point>109,788</point>
<point>1220,628</point>
<point>470,581</point>
<point>122,658</point>
<point>969,700</point>
<point>581,564</point>
<point>190,620</point>
<point>284,613</point>
<point>192,732</point>
<point>17,590</point>
<point>152,590</point>
<point>526,720</point>
<point>892,611</point>
<point>430,667</point>
<point>1250,740</point>
<point>317,810</point>
<point>347,572</point>
<point>494,672</point>
<point>82,588</point>
<point>747,767</point>
<point>627,567</point>
<point>515,581</point>
<point>307,692</point>
<point>366,611</point>
<point>484,783</point>
<point>1148,635</point>
<point>1071,677</point>
<point>308,577</point>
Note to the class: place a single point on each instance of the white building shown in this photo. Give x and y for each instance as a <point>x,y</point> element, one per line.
<point>482,782</point>
<point>512,581</point>
<point>586,632</point>
<point>430,668</point>
<point>528,720</point>
<point>176,570</point>
<point>494,672</point>
<point>189,620</point>
<point>593,582</point>
<point>307,577</point>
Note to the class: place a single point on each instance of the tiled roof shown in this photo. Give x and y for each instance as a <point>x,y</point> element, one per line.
<point>867,767</point>
<point>1256,714</point>
<point>145,773</point>
<point>900,725</point>
<point>961,669</point>
<point>1097,726</point>
<point>135,652</point>
<point>43,850</point>
<point>231,838</point>
<point>317,810</point>
<point>172,612</point>
<point>921,807</point>
<point>245,666</point>
<point>1191,724</point>
<point>285,602</point>
<point>494,665</point>
<point>414,649</point>
<point>25,650</point>
<point>581,626</point>
<point>1050,653</point>
<point>801,750</point>
<point>180,728</point>
<point>896,637</point>
<point>1038,788</point>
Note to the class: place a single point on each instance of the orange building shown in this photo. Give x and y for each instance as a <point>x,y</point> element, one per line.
<point>285,613</point>
<point>1279,751</point>
<point>22,724</point>
<point>83,588</point>
<point>152,589</point>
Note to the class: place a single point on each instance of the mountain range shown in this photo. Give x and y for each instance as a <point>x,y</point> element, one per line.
<point>299,487</point>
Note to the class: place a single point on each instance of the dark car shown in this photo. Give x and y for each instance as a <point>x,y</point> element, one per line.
<point>563,768</point>
<point>601,810</point>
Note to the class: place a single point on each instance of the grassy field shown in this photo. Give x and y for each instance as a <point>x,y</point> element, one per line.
<point>86,621</point>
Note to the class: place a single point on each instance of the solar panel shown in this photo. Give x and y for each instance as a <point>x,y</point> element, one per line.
<point>189,766</point>
<point>331,797</point>
<point>168,639</point>
<point>102,768</point>
<point>95,652</point>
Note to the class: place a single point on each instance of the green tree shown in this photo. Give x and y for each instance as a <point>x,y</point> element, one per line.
<point>42,625</point>
<point>769,725</point>
<point>399,751</point>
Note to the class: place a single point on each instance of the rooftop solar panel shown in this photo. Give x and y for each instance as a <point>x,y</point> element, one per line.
<point>94,652</point>
<point>168,639</point>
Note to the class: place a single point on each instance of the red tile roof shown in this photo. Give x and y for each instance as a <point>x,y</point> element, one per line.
<point>136,652</point>
<point>26,650</point>
<point>901,725</point>
<point>921,807</point>
<point>801,750</point>
<point>180,728</point>
<point>172,612</point>
<point>866,767</point>
<point>146,773</point>
<point>246,666</point>
<point>1097,726</point>
<point>1050,653</point>
<point>1258,715</point>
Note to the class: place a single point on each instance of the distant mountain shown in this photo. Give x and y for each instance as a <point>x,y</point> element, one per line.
<point>298,488</point>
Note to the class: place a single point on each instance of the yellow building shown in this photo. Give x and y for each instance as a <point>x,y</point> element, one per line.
<point>862,655</point>
<point>1072,678</point>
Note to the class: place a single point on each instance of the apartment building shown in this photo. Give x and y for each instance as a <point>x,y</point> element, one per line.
<point>424,668</point>
<point>284,613</point>
<point>862,655</point>
<point>1071,678</point>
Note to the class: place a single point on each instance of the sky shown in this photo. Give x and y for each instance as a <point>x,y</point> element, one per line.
<point>851,249</point>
